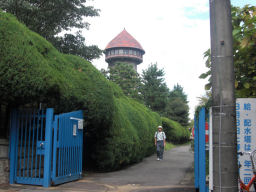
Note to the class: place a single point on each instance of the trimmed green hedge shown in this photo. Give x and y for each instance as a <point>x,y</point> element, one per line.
<point>119,130</point>
<point>131,136</point>
<point>175,132</point>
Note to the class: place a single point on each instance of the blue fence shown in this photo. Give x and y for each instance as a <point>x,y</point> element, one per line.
<point>45,149</point>
<point>199,152</point>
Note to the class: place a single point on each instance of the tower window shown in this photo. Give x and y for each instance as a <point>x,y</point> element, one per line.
<point>125,52</point>
<point>112,52</point>
<point>130,52</point>
<point>121,51</point>
<point>116,52</point>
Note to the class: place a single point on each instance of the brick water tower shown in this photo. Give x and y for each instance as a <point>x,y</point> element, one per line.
<point>124,48</point>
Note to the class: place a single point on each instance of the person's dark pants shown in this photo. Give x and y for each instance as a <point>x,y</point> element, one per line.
<point>160,149</point>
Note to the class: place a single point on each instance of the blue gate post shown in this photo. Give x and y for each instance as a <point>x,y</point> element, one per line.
<point>55,145</point>
<point>196,155</point>
<point>48,147</point>
<point>202,163</point>
<point>13,143</point>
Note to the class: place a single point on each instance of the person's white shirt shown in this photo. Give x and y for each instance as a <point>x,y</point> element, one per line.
<point>160,136</point>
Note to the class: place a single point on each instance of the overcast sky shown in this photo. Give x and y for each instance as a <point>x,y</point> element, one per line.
<point>175,34</point>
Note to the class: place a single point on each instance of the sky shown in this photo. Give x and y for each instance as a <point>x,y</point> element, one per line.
<point>174,34</point>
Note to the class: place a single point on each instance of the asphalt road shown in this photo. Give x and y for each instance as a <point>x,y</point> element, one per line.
<point>173,174</point>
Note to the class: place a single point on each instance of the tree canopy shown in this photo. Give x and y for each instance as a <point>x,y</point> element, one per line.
<point>74,44</point>
<point>178,92</point>
<point>244,50</point>
<point>177,107</point>
<point>126,77</point>
<point>244,35</point>
<point>151,90</point>
<point>154,89</point>
<point>50,17</point>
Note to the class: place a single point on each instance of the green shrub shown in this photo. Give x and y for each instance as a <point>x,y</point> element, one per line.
<point>119,130</point>
<point>131,136</point>
<point>175,132</point>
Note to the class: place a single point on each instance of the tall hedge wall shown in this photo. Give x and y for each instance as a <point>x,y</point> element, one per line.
<point>119,130</point>
<point>174,131</point>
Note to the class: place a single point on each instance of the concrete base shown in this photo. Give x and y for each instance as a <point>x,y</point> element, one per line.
<point>4,161</point>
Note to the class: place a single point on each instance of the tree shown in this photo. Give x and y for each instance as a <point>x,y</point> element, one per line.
<point>244,34</point>
<point>204,101</point>
<point>74,44</point>
<point>126,77</point>
<point>177,107</point>
<point>154,89</point>
<point>178,92</point>
<point>244,49</point>
<point>50,17</point>
<point>207,56</point>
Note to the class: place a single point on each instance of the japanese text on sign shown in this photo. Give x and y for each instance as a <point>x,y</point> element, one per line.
<point>246,134</point>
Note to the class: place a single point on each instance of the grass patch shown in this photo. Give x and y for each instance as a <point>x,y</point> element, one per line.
<point>169,146</point>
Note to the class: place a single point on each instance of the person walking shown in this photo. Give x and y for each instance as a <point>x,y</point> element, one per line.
<point>160,138</point>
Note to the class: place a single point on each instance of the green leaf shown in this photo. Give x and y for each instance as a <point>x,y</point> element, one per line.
<point>208,86</point>
<point>236,84</point>
<point>204,75</point>
<point>246,85</point>
<point>236,31</point>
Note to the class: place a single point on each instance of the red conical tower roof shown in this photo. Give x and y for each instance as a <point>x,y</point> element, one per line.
<point>124,39</point>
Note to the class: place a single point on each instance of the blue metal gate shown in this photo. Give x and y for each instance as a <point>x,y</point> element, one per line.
<point>67,147</point>
<point>45,149</point>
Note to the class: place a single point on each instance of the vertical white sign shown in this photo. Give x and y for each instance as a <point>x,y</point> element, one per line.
<point>246,134</point>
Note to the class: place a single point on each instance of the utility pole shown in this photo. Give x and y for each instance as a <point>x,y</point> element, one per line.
<point>225,168</point>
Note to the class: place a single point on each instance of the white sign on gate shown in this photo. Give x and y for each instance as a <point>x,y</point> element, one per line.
<point>246,134</point>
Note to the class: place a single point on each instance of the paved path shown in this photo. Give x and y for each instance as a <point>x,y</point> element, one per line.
<point>173,174</point>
